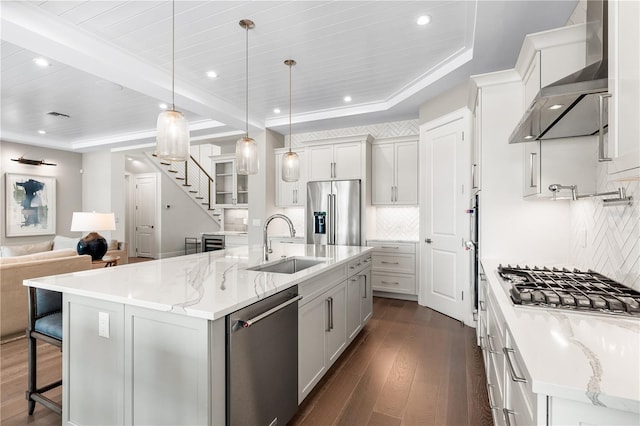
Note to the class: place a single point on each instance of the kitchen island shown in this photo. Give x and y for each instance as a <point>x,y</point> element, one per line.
<point>145,343</point>
<point>557,367</point>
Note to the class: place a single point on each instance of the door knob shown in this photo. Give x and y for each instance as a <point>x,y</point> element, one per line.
<point>427,240</point>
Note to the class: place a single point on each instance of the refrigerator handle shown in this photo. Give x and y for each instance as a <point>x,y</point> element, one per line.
<point>329,219</point>
<point>333,218</point>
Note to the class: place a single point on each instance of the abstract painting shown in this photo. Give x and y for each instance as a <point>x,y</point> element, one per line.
<point>31,205</point>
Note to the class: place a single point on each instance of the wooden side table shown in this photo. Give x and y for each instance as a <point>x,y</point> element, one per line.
<point>107,261</point>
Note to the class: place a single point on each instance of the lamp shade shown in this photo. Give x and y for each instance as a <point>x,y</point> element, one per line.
<point>246,156</point>
<point>290,167</point>
<point>172,137</point>
<point>92,221</point>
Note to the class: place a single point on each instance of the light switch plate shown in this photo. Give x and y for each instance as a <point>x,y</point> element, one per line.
<point>103,324</point>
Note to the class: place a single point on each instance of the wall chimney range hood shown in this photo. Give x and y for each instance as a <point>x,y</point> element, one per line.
<point>575,105</point>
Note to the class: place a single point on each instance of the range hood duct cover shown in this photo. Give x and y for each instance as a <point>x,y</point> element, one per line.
<point>579,93</point>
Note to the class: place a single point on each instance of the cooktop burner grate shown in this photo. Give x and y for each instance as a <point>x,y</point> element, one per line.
<point>569,289</point>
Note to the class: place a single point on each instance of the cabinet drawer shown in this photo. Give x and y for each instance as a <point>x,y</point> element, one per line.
<point>357,265</point>
<point>395,283</point>
<point>403,263</point>
<point>313,287</point>
<point>391,247</point>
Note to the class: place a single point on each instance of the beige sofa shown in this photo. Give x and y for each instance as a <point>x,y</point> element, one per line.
<point>13,295</point>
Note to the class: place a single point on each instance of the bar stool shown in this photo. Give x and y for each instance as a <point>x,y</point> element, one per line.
<point>44,323</point>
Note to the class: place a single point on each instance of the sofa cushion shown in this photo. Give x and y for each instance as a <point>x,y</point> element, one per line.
<point>53,254</point>
<point>23,249</point>
<point>60,242</point>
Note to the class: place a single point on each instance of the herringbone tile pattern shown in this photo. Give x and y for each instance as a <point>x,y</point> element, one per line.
<point>612,243</point>
<point>383,130</point>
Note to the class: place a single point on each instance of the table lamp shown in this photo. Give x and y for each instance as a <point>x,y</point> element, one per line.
<point>93,243</point>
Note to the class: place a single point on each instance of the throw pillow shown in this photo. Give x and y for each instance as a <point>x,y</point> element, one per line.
<point>60,242</point>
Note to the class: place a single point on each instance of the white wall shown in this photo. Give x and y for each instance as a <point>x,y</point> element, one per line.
<point>68,184</point>
<point>445,103</point>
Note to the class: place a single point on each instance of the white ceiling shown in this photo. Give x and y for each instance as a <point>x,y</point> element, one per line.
<point>111,63</point>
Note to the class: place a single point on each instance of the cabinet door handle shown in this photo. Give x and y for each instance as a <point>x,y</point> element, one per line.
<point>602,156</point>
<point>473,176</point>
<point>333,170</point>
<point>483,308</point>
<point>388,282</point>
<point>390,247</point>
<point>492,404</point>
<point>390,263</point>
<point>482,345</point>
<point>512,370</point>
<point>532,181</point>
<point>331,305</point>
<point>506,412</point>
<point>328,314</point>
<point>490,344</point>
<point>364,296</point>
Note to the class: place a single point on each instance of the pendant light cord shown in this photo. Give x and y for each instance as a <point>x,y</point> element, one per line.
<point>247,82</point>
<point>290,134</point>
<point>173,56</point>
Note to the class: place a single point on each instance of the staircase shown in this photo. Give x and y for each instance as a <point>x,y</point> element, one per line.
<point>194,181</point>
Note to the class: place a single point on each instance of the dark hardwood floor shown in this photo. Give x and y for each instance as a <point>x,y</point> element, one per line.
<point>409,366</point>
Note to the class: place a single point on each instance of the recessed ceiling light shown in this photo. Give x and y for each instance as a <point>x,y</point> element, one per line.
<point>212,74</point>
<point>41,62</point>
<point>163,106</point>
<point>276,110</point>
<point>42,132</point>
<point>347,98</point>
<point>556,106</point>
<point>423,20</point>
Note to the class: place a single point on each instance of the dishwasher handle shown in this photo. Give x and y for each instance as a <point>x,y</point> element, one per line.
<point>248,323</point>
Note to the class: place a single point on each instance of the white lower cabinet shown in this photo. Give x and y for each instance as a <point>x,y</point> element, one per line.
<point>394,266</point>
<point>331,314</point>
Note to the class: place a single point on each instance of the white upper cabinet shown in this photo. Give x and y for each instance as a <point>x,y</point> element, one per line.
<point>624,85</point>
<point>291,194</point>
<point>340,158</point>
<point>394,166</point>
<point>231,189</point>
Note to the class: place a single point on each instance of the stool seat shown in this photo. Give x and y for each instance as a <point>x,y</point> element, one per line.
<point>50,325</point>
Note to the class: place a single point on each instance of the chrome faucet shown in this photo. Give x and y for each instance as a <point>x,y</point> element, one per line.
<point>266,249</point>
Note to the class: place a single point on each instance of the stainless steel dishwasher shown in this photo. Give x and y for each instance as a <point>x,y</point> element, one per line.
<point>262,361</point>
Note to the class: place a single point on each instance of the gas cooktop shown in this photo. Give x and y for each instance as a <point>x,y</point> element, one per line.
<point>569,289</point>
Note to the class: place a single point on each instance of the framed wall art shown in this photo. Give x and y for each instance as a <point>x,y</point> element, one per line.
<point>31,205</point>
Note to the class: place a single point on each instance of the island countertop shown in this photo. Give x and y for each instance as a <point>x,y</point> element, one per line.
<point>205,285</point>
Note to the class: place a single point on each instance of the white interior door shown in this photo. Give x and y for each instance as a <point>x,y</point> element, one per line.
<point>146,195</point>
<point>445,262</point>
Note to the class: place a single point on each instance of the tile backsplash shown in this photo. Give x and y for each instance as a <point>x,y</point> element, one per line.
<point>397,223</point>
<point>607,239</point>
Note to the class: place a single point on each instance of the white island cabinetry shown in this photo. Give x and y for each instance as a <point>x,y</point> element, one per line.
<point>146,344</point>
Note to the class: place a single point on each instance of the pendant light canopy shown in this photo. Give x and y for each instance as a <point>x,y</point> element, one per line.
<point>290,160</point>
<point>246,147</point>
<point>172,136</point>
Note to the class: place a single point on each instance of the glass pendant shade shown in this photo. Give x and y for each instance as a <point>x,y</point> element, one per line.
<point>246,156</point>
<point>172,137</point>
<point>290,167</point>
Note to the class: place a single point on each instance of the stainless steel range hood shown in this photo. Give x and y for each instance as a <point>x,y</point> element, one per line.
<point>574,105</point>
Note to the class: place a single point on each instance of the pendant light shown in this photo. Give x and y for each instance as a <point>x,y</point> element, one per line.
<point>290,160</point>
<point>172,137</point>
<point>246,147</point>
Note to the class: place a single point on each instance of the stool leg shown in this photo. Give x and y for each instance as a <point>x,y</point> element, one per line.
<point>32,368</point>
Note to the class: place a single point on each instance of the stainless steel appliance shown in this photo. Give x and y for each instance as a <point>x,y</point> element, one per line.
<point>211,242</point>
<point>570,290</point>
<point>262,361</point>
<point>473,244</point>
<point>333,212</point>
<point>575,105</point>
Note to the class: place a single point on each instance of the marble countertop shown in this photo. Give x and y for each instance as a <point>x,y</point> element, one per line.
<point>206,285</point>
<point>591,358</point>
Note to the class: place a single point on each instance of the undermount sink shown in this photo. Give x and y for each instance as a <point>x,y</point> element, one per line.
<point>288,266</point>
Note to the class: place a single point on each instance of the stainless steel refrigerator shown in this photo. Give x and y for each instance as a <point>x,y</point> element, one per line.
<point>333,212</point>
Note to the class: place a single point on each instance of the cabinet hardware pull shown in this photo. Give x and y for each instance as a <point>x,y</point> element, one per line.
<point>365,286</point>
<point>331,305</point>
<point>482,343</point>
<point>492,404</point>
<point>328,314</point>
<point>483,276</point>
<point>473,176</point>
<point>390,247</point>
<point>388,282</point>
<point>475,316</point>
<point>601,151</point>
<point>428,240</point>
<point>390,263</point>
<point>532,184</point>
<point>490,344</point>
<point>355,278</point>
<point>482,306</point>
<point>506,413</point>
<point>512,371</point>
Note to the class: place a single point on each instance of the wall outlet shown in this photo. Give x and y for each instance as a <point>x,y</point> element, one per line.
<point>103,324</point>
